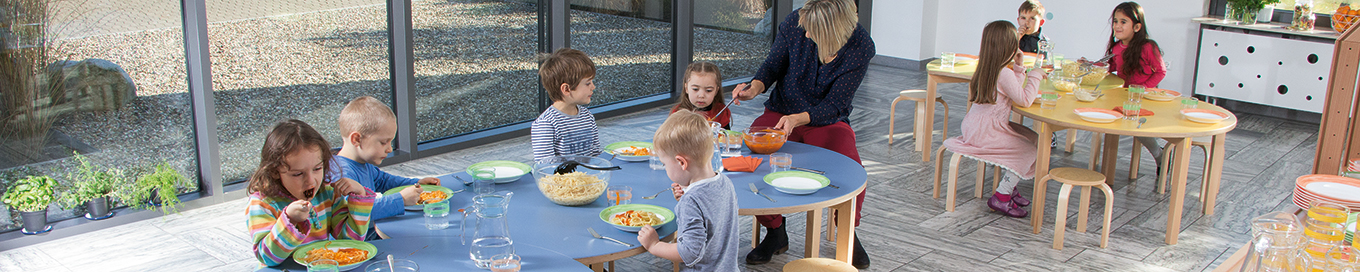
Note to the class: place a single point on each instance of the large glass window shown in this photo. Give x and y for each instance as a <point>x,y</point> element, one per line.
<point>124,103</point>
<point>1319,6</point>
<point>735,34</point>
<point>475,65</point>
<point>630,43</point>
<point>305,61</point>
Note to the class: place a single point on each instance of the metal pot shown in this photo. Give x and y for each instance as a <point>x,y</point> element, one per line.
<point>97,208</point>
<point>34,222</point>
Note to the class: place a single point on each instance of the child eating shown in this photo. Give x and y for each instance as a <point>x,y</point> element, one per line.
<point>367,127</point>
<point>703,93</point>
<point>706,214</point>
<point>296,196</point>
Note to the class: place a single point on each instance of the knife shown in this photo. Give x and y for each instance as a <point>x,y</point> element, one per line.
<point>815,171</point>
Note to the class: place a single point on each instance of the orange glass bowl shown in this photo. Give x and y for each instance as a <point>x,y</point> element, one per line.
<point>764,140</point>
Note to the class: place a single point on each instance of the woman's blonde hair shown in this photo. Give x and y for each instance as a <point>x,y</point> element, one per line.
<point>830,24</point>
<point>1000,41</point>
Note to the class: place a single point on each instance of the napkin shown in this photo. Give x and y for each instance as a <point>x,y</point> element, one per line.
<point>1142,112</point>
<point>742,164</point>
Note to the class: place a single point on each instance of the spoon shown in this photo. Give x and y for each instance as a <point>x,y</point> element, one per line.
<point>1141,120</point>
<point>390,265</point>
<point>570,166</point>
<point>657,194</point>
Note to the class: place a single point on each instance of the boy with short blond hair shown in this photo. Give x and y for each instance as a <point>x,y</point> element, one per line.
<point>567,128</point>
<point>1030,23</point>
<point>706,215</point>
<point>367,127</point>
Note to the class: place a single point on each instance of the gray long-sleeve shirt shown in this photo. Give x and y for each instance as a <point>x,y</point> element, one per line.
<point>706,218</point>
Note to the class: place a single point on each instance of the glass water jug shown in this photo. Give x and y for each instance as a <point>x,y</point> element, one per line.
<point>1277,245</point>
<point>491,230</point>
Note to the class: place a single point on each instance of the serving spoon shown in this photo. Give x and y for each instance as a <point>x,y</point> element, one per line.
<point>568,167</point>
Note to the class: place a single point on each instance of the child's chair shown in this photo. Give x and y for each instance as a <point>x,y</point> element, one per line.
<point>1072,177</point>
<point>918,96</point>
<point>818,265</point>
<point>954,171</point>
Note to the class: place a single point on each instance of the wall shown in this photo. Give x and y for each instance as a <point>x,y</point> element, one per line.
<point>1079,28</point>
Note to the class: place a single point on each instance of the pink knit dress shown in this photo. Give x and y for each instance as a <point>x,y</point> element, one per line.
<point>988,132</point>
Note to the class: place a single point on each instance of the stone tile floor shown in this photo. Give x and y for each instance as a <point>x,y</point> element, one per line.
<point>904,228</point>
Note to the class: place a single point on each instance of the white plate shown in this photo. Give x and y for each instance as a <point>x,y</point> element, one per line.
<point>1203,117</point>
<point>800,183</point>
<point>1098,117</point>
<point>1335,190</point>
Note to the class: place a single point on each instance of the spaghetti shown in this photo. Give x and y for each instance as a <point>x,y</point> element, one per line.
<point>635,219</point>
<point>575,188</point>
<point>342,256</point>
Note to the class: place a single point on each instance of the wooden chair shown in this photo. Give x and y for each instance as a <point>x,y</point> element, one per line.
<point>919,96</point>
<point>953,179</point>
<point>1075,177</point>
<point>818,265</point>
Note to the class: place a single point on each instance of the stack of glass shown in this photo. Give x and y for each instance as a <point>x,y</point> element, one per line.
<point>1325,227</point>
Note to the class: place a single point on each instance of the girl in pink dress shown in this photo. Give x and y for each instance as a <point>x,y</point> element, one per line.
<point>1137,59</point>
<point>988,134</point>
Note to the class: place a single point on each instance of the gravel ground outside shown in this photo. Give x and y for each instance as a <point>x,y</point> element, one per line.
<point>475,69</point>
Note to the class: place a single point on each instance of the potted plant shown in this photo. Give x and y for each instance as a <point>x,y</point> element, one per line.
<point>92,188</point>
<point>1245,11</point>
<point>31,196</point>
<point>158,188</point>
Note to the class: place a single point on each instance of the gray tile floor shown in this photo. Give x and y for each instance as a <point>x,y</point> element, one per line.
<point>903,228</point>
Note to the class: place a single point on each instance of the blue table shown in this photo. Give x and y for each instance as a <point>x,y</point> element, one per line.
<point>447,253</point>
<point>535,220</point>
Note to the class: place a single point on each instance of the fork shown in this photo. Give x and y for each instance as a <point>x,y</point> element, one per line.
<point>757,191</point>
<point>657,194</point>
<point>597,236</point>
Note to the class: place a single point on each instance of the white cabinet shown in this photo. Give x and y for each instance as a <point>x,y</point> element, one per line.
<point>1265,70</point>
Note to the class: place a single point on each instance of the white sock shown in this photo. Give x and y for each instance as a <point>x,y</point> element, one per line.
<point>1008,183</point>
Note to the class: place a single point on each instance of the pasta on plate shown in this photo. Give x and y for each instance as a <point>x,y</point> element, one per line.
<point>343,256</point>
<point>636,218</point>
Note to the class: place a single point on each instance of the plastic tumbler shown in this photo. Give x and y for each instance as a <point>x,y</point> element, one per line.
<point>655,163</point>
<point>619,194</point>
<point>1136,92</point>
<point>508,262</point>
<point>323,265</point>
<point>483,181</point>
<point>437,215</point>
<point>947,60</point>
<point>1189,103</point>
<point>1048,101</point>
<point>397,265</point>
<point>1131,109</point>
<point>780,161</point>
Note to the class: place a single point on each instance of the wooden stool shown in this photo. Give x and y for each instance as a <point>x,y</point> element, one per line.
<point>818,265</point>
<point>1075,177</point>
<point>953,179</point>
<point>919,96</point>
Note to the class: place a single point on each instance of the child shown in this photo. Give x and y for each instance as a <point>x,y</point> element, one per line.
<point>706,214</point>
<point>1137,59</point>
<point>1031,22</point>
<point>367,127</point>
<point>297,196</point>
<point>703,93</point>
<point>567,128</point>
<point>987,132</point>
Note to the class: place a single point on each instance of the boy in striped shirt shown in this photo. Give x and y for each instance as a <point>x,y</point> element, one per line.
<point>567,128</point>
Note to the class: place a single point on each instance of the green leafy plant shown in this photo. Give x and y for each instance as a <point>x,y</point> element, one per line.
<point>1251,4</point>
<point>30,194</point>
<point>89,183</point>
<point>163,184</point>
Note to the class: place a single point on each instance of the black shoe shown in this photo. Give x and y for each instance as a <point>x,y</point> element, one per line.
<point>861,258</point>
<point>776,242</point>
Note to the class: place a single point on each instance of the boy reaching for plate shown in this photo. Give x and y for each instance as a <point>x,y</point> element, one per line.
<point>706,215</point>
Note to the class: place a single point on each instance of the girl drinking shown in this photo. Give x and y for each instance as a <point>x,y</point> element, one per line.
<point>703,93</point>
<point>1137,59</point>
<point>1001,81</point>
<point>297,195</point>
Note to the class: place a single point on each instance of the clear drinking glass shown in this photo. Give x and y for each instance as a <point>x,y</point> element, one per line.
<point>1048,101</point>
<point>947,60</point>
<point>1189,103</point>
<point>483,181</point>
<point>323,265</point>
<point>619,194</point>
<point>1136,92</point>
<point>780,161</point>
<point>508,262</point>
<point>1057,61</point>
<point>1131,109</point>
<point>437,215</point>
<point>397,265</point>
<point>731,144</point>
<point>655,163</point>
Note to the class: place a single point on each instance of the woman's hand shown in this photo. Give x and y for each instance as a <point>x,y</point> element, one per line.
<point>298,211</point>
<point>743,92</point>
<point>788,122</point>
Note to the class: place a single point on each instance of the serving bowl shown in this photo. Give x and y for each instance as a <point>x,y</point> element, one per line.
<point>575,189</point>
<point>1062,82</point>
<point>764,140</point>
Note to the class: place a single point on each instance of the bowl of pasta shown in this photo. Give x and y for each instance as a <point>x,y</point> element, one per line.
<point>577,188</point>
<point>348,253</point>
<point>631,217</point>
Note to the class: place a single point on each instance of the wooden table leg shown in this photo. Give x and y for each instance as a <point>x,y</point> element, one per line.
<point>1181,170</point>
<point>927,125</point>
<point>1111,154</point>
<point>1040,170</point>
<point>1095,150</point>
<point>814,232</point>
<point>755,231</point>
<point>845,222</point>
<point>1215,173</point>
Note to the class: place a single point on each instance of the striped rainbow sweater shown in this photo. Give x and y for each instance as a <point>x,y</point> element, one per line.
<point>275,236</point>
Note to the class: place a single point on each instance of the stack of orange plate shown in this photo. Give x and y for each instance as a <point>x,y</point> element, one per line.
<point>1329,188</point>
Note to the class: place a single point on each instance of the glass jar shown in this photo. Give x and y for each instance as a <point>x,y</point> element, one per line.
<point>1303,16</point>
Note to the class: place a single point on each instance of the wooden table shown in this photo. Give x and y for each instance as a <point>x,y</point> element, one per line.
<point>1166,123</point>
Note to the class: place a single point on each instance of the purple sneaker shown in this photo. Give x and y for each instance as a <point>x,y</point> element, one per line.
<point>1019,200</point>
<point>1007,208</point>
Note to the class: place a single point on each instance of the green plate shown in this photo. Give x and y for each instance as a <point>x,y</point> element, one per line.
<point>615,147</point>
<point>427,187</point>
<point>666,215</point>
<point>506,171</point>
<point>300,254</point>
<point>786,181</point>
